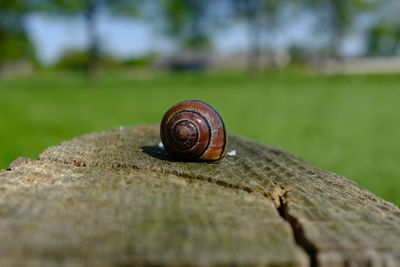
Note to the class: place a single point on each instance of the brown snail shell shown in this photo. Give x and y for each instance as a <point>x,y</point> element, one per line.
<point>193,130</point>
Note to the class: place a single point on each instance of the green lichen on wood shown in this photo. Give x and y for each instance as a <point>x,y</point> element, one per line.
<point>117,198</point>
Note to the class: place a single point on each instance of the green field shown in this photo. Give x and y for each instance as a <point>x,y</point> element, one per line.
<point>346,124</point>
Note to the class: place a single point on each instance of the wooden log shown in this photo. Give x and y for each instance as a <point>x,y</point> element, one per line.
<point>116,198</point>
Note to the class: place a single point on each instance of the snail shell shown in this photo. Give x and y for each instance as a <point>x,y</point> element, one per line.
<point>193,130</point>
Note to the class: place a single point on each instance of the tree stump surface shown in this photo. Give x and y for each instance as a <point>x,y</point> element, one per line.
<point>117,199</point>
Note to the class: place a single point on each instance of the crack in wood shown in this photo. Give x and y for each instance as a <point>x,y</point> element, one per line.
<point>297,229</point>
<point>333,220</point>
<point>278,198</point>
<point>280,201</point>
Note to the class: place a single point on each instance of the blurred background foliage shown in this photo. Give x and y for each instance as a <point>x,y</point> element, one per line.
<point>190,25</point>
<point>292,84</point>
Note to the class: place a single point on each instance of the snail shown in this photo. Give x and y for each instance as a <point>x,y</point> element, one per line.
<point>193,130</point>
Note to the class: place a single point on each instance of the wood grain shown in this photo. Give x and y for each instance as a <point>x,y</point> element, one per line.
<point>116,198</point>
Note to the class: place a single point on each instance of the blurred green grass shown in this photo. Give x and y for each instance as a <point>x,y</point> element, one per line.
<point>346,124</point>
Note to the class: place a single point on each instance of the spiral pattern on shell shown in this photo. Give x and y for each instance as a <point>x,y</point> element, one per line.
<point>193,130</point>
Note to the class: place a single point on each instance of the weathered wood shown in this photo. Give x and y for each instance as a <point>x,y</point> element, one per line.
<point>116,198</point>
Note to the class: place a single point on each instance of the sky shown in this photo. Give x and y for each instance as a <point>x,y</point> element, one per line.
<point>127,38</point>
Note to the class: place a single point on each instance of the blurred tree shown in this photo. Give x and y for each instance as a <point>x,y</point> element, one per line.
<point>14,42</point>
<point>187,21</point>
<point>383,38</point>
<point>90,10</point>
<point>336,17</point>
<point>259,15</point>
